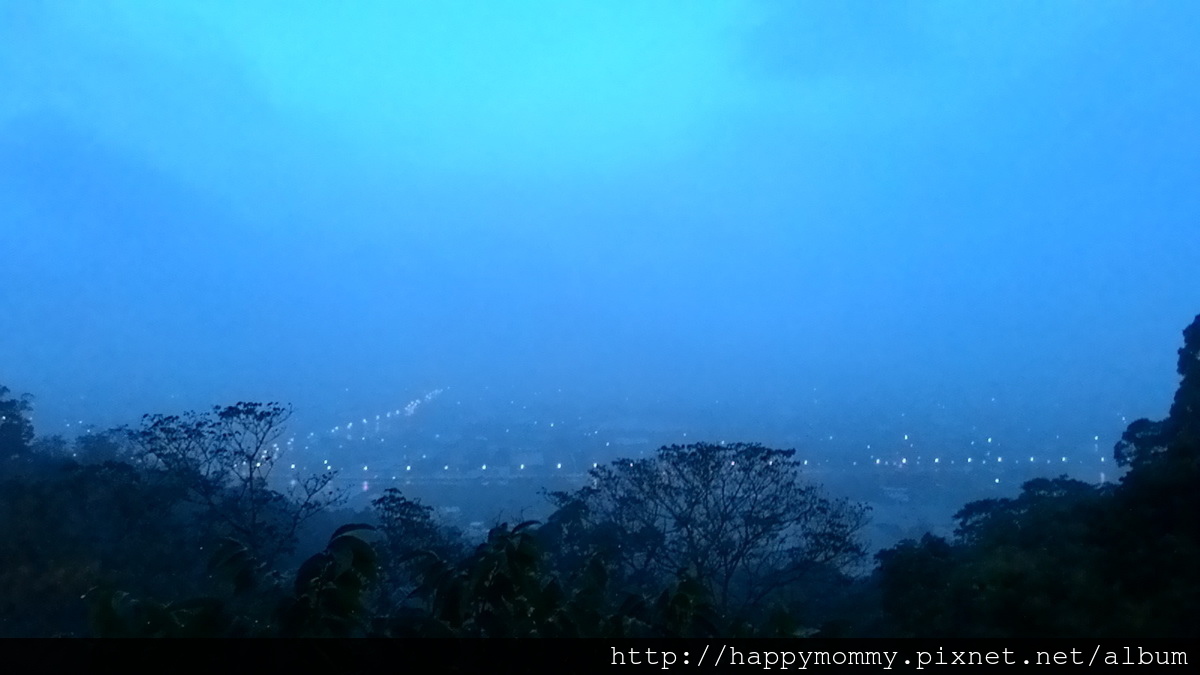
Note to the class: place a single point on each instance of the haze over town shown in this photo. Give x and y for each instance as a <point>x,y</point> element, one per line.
<point>868,231</point>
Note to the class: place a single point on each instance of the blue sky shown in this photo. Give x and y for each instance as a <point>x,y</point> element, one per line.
<point>900,205</point>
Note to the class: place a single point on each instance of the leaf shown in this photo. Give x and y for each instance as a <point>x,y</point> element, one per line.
<point>357,529</point>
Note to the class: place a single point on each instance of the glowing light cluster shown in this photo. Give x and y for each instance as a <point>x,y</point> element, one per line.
<point>415,403</point>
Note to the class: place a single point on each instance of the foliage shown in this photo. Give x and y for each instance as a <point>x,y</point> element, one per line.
<point>501,590</point>
<point>16,431</point>
<point>1045,564</point>
<point>410,535</point>
<point>1144,439</point>
<point>1066,558</point>
<point>698,541</point>
<point>330,592</point>
<point>72,526</point>
<point>917,594</point>
<point>223,461</point>
<point>505,589</point>
<point>738,515</point>
<point>102,446</point>
<point>327,598</point>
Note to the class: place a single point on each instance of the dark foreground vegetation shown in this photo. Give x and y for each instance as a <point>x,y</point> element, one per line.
<point>177,528</point>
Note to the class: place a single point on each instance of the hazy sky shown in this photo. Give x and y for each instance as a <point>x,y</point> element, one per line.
<point>904,205</point>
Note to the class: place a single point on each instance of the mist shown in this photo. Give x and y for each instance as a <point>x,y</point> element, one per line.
<point>821,224</point>
<point>885,295</point>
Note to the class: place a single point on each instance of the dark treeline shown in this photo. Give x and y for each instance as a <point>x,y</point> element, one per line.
<point>180,526</point>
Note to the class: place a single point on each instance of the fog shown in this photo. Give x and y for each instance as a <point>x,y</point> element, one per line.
<point>804,223</point>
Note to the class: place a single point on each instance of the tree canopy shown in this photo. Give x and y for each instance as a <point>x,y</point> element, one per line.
<point>224,459</point>
<point>739,516</point>
<point>16,431</point>
<point>1065,558</point>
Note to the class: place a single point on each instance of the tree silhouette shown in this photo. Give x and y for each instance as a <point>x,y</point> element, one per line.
<point>224,460</point>
<point>1065,558</point>
<point>16,431</point>
<point>327,598</point>
<point>738,516</point>
<point>410,535</point>
<point>1143,438</point>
